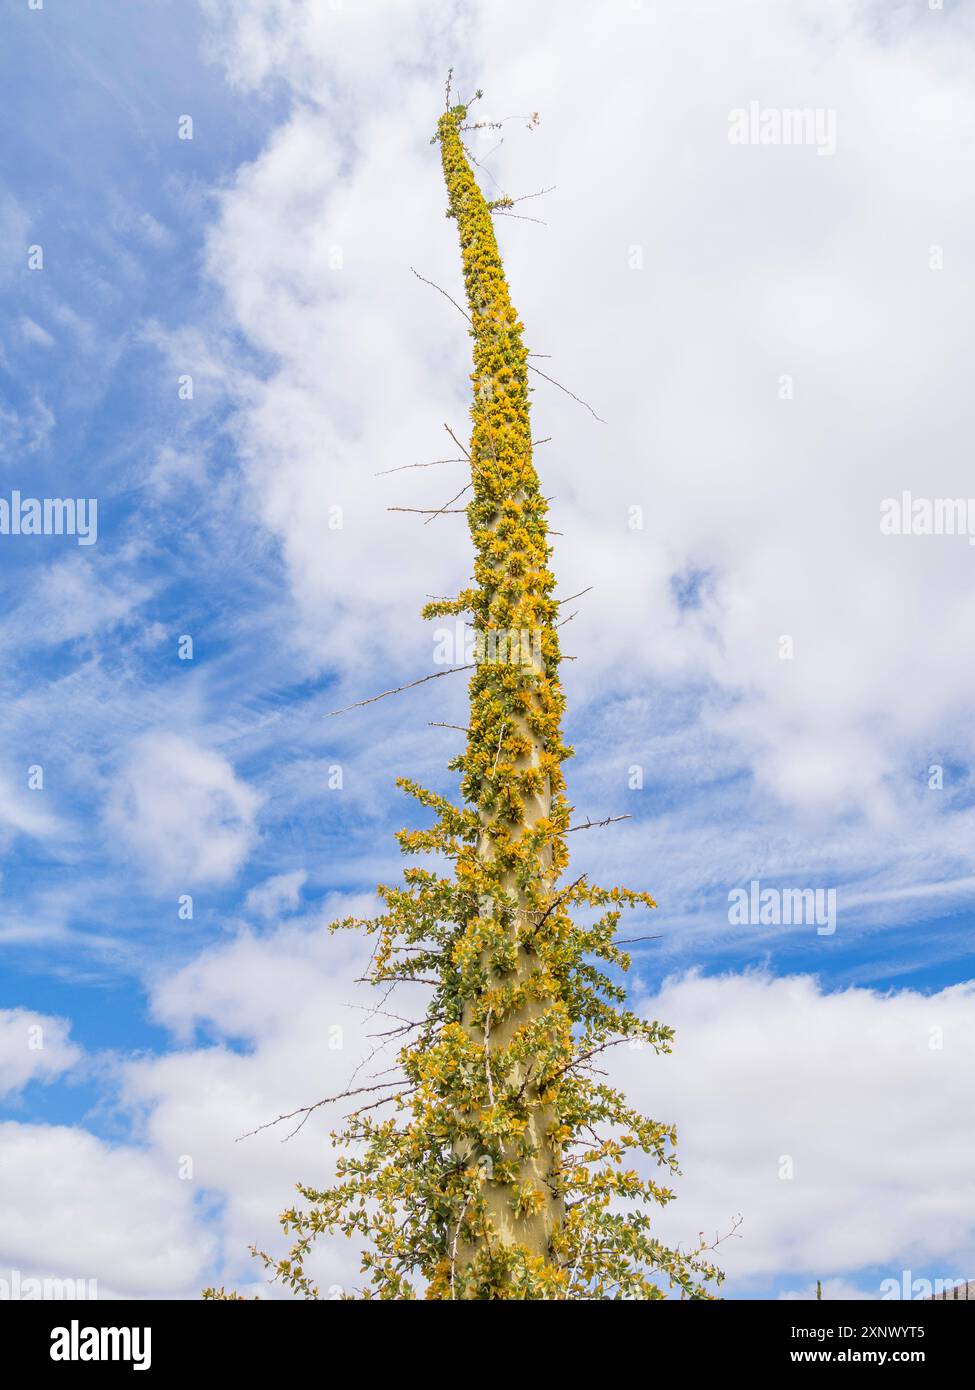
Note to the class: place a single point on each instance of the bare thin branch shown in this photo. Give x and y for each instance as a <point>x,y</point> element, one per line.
<point>443,292</point>
<point>403,466</point>
<point>500,212</point>
<point>430,512</point>
<point>374,1010</point>
<point>446,506</point>
<point>556,902</point>
<point>306,1110</point>
<point>584,1057</point>
<point>481,165</point>
<point>434,675</point>
<point>579,399</point>
<point>595,824</point>
<point>458,443</point>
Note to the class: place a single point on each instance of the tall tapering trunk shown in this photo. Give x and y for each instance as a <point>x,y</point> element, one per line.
<point>492,1166</point>
<point>514,747</point>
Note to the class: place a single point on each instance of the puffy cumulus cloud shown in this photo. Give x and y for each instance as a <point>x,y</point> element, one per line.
<point>311,260</point>
<point>862,1097</point>
<point>276,895</point>
<point>291,1028</point>
<point>835,1124</point>
<point>182,812</point>
<point>333,51</point>
<point>712,272</point>
<point>33,1047</point>
<point>178,1206</point>
<point>74,1207</point>
<point>768,1077</point>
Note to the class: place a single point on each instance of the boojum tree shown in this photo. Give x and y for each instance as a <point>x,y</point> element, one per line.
<point>496,1165</point>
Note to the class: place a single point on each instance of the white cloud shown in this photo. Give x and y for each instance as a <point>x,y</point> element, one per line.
<point>23,811</point>
<point>33,1047</point>
<point>78,597</point>
<point>74,1207</point>
<point>847,1085</point>
<point>34,333</point>
<point>182,812</point>
<point>174,469</point>
<point>277,895</point>
<point>865,1093</point>
<point>132,1215</point>
<point>753,268</point>
<point>290,999</point>
<point>831,1290</point>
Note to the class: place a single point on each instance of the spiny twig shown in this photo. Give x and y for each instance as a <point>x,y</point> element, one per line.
<point>556,902</point>
<point>443,292</point>
<point>434,675</point>
<point>579,399</point>
<point>446,505</point>
<point>595,824</point>
<point>306,1110</point>
<point>500,212</point>
<point>432,464</point>
<point>458,443</point>
<point>584,1057</point>
<point>430,512</point>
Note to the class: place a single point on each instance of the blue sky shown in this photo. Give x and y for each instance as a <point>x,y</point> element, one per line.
<point>678,279</point>
<point>120,206</point>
